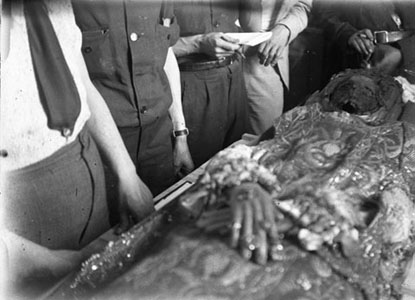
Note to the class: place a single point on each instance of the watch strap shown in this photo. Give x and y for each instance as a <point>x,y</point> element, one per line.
<point>181,132</point>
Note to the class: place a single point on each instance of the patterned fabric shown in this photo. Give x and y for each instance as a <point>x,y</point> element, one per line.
<point>192,265</point>
<point>346,187</point>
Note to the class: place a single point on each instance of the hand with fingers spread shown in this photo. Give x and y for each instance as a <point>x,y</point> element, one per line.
<point>254,228</point>
<point>363,42</point>
<point>135,202</point>
<point>218,44</point>
<point>271,50</point>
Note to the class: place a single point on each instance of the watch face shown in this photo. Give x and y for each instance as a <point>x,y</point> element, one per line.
<point>181,132</point>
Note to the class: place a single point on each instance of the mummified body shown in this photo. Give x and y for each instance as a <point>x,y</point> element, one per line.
<point>342,185</point>
<point>323,203</point>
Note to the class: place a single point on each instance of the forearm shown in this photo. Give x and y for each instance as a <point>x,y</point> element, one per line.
<point>107,137</point>
<point>22,259</point>
<point>104,130</point>
<point>173,76</point>
<point>182,159</point>
<point>18,256</point>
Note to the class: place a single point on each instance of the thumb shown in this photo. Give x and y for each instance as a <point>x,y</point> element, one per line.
<point>230,39</point>
<point>369,34</point>
<point>177,168</point>
<point>124,223</point>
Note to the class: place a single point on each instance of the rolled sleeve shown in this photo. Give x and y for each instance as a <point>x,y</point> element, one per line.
<point>296,19</point>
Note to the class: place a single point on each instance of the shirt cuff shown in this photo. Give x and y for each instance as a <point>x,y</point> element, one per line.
<point>289,31</point>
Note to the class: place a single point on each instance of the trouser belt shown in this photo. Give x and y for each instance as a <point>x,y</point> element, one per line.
<point>386,37</point>
<point>208,64</point>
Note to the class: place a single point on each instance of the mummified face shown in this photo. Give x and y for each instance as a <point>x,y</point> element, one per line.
<point>357,95</point>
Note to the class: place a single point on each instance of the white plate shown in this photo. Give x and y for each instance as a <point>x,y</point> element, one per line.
<point>250,38</point>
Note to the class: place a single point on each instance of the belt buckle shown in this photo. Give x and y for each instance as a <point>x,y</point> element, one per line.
<point>226,60</point>
<point>381,37</point>
<point>222,59</point>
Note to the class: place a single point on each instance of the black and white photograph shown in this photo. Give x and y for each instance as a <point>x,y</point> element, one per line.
<point>207,150</point>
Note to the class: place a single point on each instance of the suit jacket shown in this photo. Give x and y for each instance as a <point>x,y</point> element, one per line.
<point>291,13</point>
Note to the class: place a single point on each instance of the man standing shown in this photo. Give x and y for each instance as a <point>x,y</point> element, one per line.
<point>126,46</point>
<point>266,68</point>
<point>372,34</point>
<point>214,97</point>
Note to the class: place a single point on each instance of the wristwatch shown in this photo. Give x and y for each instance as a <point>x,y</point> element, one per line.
<point>177,133</point>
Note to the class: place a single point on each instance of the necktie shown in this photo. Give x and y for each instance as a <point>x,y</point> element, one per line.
<point>57,90</point>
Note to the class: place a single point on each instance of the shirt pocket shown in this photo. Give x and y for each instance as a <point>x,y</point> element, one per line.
<point>192,17</point>
<point>96,49</point>
<point>164,36</point>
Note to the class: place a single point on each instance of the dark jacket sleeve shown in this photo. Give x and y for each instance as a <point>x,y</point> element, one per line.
<point>332,20</point>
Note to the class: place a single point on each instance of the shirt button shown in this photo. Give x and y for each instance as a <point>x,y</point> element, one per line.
<point>143,109</point>
<point>87,49</point>
<point>217,24</point>
<point>134,36</point>
<point>66,132</point>
<point>3,153</point>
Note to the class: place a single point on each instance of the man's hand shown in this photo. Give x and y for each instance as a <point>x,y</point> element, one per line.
<point>135,202</point>
<point>363,42</point>
<point>218,44</point>
<point>23,260</point>
<point>271,50</point>
<point>183,163</point>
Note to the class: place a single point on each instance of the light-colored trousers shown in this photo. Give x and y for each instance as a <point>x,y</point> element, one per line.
<point>265,92</point>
